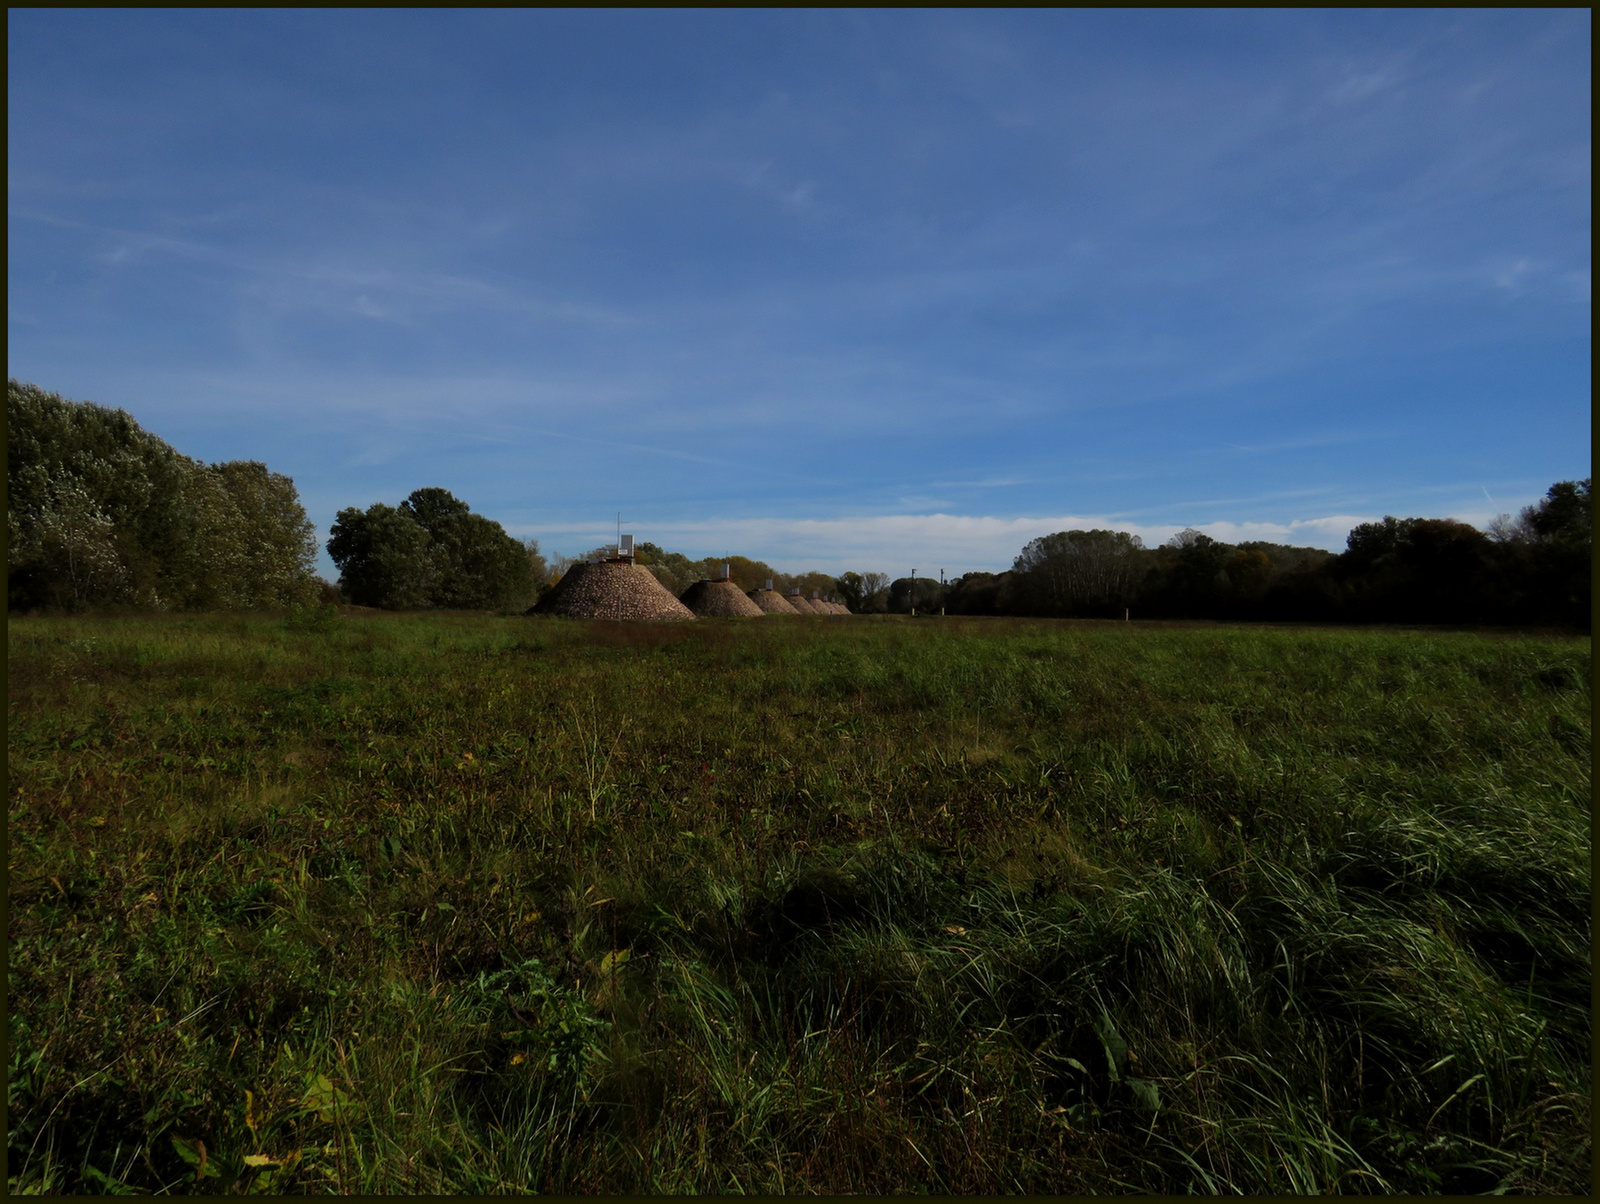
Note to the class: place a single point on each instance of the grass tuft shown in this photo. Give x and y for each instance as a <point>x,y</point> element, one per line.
<point>456,904</point>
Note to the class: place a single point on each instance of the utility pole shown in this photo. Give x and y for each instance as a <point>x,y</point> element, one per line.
<point>913,593</point>
<point>941,593</point>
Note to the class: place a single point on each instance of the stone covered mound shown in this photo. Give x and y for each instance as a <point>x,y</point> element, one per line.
<point>613,591</point>
<point>771,602</point>
<point>803,605</point>
<point>719,600</point>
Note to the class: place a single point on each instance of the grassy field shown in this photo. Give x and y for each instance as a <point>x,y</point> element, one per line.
<point>456,903</point>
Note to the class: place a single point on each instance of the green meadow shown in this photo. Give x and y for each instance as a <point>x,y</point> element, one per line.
<point>469,904</point>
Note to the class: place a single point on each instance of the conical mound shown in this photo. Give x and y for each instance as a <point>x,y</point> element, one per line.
<point>771,602</point>
<point>720,600</point>
<point>802,605</point>
<point>613,591</point>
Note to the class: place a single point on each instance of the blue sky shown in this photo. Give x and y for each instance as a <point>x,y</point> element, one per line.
<point>870,290</point>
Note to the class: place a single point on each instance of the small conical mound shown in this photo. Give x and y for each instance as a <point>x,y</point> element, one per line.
<point>802,605</point>
<point>721,600</point>
<point>771,602</point>
<point>613,591</point>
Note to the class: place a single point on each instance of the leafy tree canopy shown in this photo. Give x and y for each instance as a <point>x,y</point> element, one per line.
<point>1565,515</point>
<point>100,512</point>
<point>431,551</point>
<point>863,593</point>
<point>1078,572</point>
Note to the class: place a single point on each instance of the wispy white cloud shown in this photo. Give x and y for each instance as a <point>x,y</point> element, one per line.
<point>991,483</point>
<point>874,261</point>
<point>897,543</point>
<point>1363,84</point>
<point>292,281</point>
<point>1276,446</point>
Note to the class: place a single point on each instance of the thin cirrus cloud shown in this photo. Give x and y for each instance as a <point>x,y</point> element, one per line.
<point>403,296</point>
<point>956,543</point>
<point>904,277</point>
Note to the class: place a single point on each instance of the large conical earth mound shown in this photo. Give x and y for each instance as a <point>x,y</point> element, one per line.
<point>771,602</point>
<point>613,591</point>
<point>802,605</point>
<point>719,600</point>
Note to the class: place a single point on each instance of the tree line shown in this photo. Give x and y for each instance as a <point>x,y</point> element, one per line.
<point>1534,569</point>
<point>677,572</point>
<point>101,512</point>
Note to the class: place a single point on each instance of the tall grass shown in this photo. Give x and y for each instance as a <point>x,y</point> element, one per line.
<point>466,904</point>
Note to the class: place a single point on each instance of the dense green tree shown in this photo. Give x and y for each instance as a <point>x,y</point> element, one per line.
<point>1078,572</point>
<point>1294,587</point>
<point>431,550</point>
<point>674,570</point>
<point>477,566</point>
<point>1286,558</point>
<point>101,511</point>
<point>1417,570</point>
<point>383,556</point>
<point>488,569</point>
<point>807,583</point>
<point>863,593</point>
<point>874,592</point>
<point>1557,560</point>
<point>1198,572</point>
<point>1565,515</point>
<point>925,594</point>
<point>981,594</point>
<point>437,510</point>
<point>252,541</point>
<point>538,567</point>
<point>747,574</point>
<point>677,572</point>
<point>95,505</point>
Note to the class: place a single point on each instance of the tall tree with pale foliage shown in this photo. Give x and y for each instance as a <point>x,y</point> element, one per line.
<point>101,512</point>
